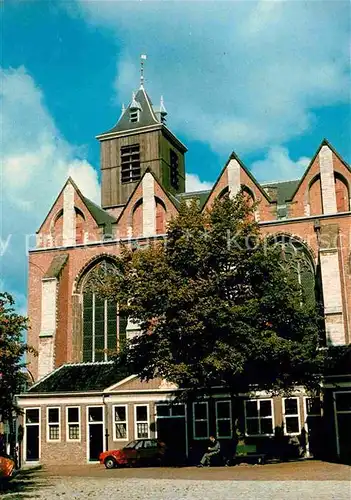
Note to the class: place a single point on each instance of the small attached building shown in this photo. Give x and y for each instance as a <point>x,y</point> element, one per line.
<point>79,410</point>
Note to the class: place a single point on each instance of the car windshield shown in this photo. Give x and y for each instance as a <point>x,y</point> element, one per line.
<point>132,444</point>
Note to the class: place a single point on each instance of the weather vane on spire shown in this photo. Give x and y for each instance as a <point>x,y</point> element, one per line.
<point>143,58</point>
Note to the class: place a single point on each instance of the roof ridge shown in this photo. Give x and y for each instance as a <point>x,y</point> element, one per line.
<point>45,377</point>
<point>194,192</point>
<point>268,183</point>
<point>148,102</point>
<point>86,363</point>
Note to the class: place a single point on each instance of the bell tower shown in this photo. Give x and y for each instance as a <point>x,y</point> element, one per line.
<point>140,140</point>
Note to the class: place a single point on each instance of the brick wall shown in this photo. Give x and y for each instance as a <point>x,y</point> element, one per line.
<point>307,200</point>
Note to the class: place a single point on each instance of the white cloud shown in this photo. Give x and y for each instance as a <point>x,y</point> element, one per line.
<point>278,166</point>
<point>194,183</point>
<point>236,75</point>
<point>36,162</point>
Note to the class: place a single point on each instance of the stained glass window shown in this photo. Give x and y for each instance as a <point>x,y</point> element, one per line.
<point>296,260</point>
<point>104,324</point>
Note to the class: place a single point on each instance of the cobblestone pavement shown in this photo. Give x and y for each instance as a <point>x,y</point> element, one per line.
<point>313,470</point>
<point>268,482</point>
<point>168,489</point>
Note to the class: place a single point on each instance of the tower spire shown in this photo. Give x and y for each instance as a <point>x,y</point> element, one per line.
<point>143,58</point>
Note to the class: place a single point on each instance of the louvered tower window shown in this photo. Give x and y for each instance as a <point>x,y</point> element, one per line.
<point>134,116</point>
<point>174,169</point>
<point>130,163</point>
<point>104,326</point>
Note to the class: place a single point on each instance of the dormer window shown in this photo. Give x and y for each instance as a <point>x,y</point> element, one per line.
<point>134,116</point>
<point>134,110</point>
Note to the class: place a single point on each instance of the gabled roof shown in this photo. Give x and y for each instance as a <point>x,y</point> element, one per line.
<point>80,377</point>
<point>146,114</point>
<point>234,156</point>
<point>171,198</point>
<point>100,216</point>
<point>323,143</point>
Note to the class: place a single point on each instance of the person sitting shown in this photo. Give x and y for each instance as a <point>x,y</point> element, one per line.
<point>213,450</point>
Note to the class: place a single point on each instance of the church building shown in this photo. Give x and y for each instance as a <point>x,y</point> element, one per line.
<point>79,404</point>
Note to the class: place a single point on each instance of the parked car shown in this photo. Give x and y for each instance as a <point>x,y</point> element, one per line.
<point>7,467</point>
<point>137,452</point>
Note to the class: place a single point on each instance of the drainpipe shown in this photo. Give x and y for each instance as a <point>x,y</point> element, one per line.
<point>106,422</point>
<point>344,302</point>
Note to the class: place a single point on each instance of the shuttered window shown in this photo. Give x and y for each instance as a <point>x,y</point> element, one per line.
<point>130,163</point>
<point>174,173</point>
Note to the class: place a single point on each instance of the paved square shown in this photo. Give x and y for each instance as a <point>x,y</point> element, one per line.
<point>310,480</point>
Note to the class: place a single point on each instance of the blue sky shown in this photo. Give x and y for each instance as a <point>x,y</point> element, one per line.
<point>267,79</point>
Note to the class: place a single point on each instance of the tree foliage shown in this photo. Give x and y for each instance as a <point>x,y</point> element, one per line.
<point>12,350</point>
<point>216,306</point>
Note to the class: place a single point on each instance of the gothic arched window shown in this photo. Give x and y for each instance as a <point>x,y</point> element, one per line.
<point>298,262</point>
<point>104,327</point>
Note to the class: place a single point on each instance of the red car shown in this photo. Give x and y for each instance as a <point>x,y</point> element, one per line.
<point>138,452</point>
<point>7,467</point>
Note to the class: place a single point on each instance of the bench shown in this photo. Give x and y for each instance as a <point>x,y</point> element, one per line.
<point>248,453</point>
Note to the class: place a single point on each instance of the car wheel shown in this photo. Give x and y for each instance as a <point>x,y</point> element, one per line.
<point>110,463</point>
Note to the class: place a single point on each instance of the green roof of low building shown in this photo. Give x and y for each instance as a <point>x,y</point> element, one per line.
<point>80,377</point>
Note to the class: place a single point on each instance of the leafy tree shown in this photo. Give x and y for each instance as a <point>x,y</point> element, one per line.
<point>12,350</point>
<point>216,306</point>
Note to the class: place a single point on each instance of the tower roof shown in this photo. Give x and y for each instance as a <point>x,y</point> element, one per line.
<point>141,102</point>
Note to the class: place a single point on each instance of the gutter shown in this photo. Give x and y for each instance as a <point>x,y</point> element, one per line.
<point>101,243</point>
<point>304,219</point>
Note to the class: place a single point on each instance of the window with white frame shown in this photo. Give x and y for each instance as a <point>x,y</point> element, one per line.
<point>224,419</point>
<point>32,416</point>
<point>141,413</point>
<point>95,414</point>
<point>200,420</point>
<point>120,428</point>
<point>32,430</point>
<point>259,417</point>
<point>53,424</point>
<point>73,423</point>
<point>291,416</point>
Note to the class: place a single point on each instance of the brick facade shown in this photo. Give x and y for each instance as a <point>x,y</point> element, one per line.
<point>76,235</point>
<point>134,393</point>
<point>325,231</point>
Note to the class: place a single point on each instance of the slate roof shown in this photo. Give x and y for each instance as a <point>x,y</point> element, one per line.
<point>147,116</point>
<point>101,216</point>
<point>80,377</point>
<point>281,192</point>
<point>56,266</point>
<point>200,196</point>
